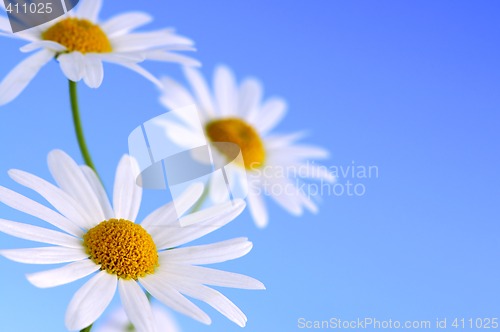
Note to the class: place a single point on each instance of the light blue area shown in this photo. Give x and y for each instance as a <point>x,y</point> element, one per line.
<point>411,87</point>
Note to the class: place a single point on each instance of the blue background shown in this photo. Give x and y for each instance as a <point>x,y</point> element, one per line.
<point>409,86</point>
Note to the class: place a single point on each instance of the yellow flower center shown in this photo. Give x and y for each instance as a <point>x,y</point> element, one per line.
<point>239,132</point>
<point>122,248</point>
<point>78,35</point>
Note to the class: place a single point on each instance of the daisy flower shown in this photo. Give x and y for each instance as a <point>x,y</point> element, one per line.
<point>99,238</point>
<point>81,43</point>
<point>274,164</point>
<point>118,321</point>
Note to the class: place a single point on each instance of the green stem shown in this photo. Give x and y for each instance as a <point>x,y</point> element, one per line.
<point>130,328</point>
<point>77,122</point>
<point>199,203</point>
<point>87,329</point>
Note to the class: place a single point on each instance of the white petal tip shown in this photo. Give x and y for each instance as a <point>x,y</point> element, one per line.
<point>206,320</point>
<point>194,63</point>
<point>239,204</point>
<point>36,281</point>
<point>331,179</point>
<point>6,254</point>
<point>54,154</point>
<point>261,224</point>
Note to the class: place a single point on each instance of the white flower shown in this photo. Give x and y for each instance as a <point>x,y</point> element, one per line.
<point>81,43</point>
<point>274,164</point>
<point>102,239</point>
<point>118,321</point>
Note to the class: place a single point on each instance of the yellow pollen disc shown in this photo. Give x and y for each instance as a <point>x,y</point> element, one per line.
<point>239,132</point>
<point>78,35</point>
<point>122,248</point>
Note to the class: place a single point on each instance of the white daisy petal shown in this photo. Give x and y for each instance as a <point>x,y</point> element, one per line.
<point>201,91</point>
<point>93,72</point>
<point>271,113</point>
<point>26,205</point>
<point>278,141</point>
<point>30,35</point>
<point>124,23</point>
<point>71,179</point>
<point>220,215</point>
<point>293,199</point>
<point>138,69</point>
<point>10,35</point>
<point>298,152</point>
<point>148,40</point>
<point>72,65</point>
<point>38,234</point>
<point>90,301</point>
<point>313,171</point>
<point>63,275</point>
<point>165,293</point>
<point>258,209</point>
<point>48,44</point>
<point>4,22</point>
<point>178,42</point>
<point>160,217</point>
<point>182,135</point>
<point>218,193</point>
<point>189,197</point>
<point>89,9</point>
<point>308,203</point>
<point>59,199</point>
<point>208,254</point>
<point>176,47</point>
<point>185,117</point>
<point>250,95</point>
<point>127,57</point>
<point>180,113</point>
<point>208,276</point>
<point>225,91</point>
<point>215,299</point>
<point>99,191</point>
<point>136,305</point>
<point>167,214</point>
<point>127,194</point>
<point>19,77</point>
<point>33,34</point>
<point>174,94</point>
<point>45,255</point>
<point>288,201</point>
<point>119,322</point>
<point>160,55</point>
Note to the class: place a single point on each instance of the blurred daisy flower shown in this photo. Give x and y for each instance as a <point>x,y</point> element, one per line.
<point>118,321</point>
<point>103,239</point>
<point>81,43</point>
<point>274,164</point>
